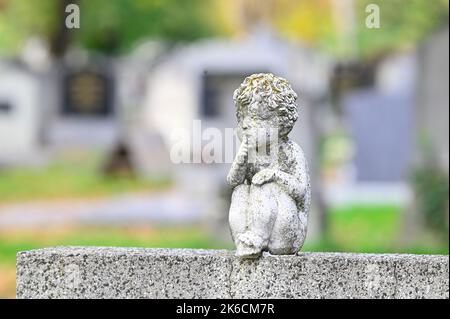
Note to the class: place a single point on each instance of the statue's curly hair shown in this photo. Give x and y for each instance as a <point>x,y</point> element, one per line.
<point>275,91</point>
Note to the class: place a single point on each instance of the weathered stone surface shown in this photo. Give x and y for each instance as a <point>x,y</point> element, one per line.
<point>95,272</point>
<point>269,176</point>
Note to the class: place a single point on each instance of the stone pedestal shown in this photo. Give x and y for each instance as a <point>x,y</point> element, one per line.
<point>96,272</point>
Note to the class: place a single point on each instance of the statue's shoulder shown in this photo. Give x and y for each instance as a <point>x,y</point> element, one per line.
<point>293,156</point>
<point>293,150</point>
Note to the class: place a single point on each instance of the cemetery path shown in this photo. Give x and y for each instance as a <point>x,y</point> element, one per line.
<point>169,207</point>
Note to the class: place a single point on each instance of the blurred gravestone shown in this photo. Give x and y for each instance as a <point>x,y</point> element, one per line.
<point>433,94</point>
<point>20,120</point>
<point>84,115</point>
<point>88,92</point>
<point>381,120</point>
<point>382,128</point>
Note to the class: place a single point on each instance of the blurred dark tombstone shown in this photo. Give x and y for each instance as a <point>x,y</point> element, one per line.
<point>351,75</point>
<point>5,107</point>
<point>83,111</point>
<point>119,162</point>
<point>88,92</point>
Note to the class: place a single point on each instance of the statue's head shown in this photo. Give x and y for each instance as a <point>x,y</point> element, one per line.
<point>265,102</point>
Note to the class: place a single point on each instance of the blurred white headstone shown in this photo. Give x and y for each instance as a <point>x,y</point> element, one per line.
<point>19,114</point>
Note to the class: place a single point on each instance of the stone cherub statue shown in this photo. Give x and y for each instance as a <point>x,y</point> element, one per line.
<point>271,191</point>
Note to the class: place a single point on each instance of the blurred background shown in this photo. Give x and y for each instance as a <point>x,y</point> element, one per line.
<point>87,117</point>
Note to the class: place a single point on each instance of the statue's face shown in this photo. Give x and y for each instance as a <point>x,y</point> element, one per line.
<point>258,123</point>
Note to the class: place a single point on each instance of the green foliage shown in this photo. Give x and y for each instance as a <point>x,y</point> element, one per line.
<point>431,187</point>
<point>402,24</point>
<point>114,25</point>
<point>319,23</point>
<point>107,25</point>
<point>20,19</point>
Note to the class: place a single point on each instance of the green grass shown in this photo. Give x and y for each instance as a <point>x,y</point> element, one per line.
<point>69,179</point>
<point>366,228</point>
<point>356,228</point>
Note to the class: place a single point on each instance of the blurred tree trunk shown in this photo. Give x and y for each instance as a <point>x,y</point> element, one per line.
<point>61,36</point>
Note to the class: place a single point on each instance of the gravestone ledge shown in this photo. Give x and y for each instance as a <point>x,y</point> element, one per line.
<point>106,272</point>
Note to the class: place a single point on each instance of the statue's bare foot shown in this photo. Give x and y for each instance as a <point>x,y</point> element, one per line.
<point>249,246</point>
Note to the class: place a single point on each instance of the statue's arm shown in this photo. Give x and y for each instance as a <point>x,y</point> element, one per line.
<point>294,181</point>
<point>238,170</point>
<point>236,175</point>
<point>294,186</point>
